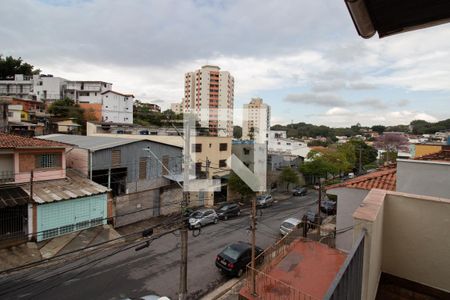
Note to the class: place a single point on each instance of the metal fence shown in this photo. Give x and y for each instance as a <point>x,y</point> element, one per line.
<point>348,282</point>
<point>269,288</point>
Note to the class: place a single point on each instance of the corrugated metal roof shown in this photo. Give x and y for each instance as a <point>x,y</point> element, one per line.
<point>13,196</point>
<point>73,186</point>
<point>93,143</point>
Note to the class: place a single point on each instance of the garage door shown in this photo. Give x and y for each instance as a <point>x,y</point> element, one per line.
<point>58,218</point>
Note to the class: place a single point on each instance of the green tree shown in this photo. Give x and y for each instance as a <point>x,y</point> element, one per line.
<point>368,153</point>
<point>9,66</point>
<point>379,128</point>
<point>67,108</point>
<point>237,185</point>
<point>289,176</point>
<point>318,167</point>
<point>237,132</point>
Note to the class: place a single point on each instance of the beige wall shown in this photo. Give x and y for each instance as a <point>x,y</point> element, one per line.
<point>369,218</point>
<point>417,239</point>
<point>78,159</point>
<point>407,236</point>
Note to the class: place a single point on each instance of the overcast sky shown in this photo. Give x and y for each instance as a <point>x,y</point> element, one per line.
<point>304,58</point>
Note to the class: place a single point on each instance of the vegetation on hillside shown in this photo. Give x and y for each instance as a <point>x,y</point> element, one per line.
<point>9,66</point>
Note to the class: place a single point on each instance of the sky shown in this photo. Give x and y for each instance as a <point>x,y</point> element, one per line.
<point>304,58</point>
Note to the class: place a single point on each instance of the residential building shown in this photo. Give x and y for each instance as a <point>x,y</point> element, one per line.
<point>117,107</point>
<point>82,91</point>
<point>212,149</point>
<point>244,150</point>
<point>209,93</point>
<point>176,108</point>
<point>36,87</point>
<point>68,126</point>
<point>141,174</point>
<point>256,121</point>
<point>15,112</point>
<point>41,199</point>
<point>278,142</point>
<point>421,149</point>
<point>147,106</point>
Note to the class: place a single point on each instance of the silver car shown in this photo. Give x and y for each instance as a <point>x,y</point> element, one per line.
<point>264,200</point>
<point>203,217</point>
<point>289,225</point>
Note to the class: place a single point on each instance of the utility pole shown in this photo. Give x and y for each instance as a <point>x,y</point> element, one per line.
<point>318,210</point>
<point>183,231</point>
<point>360,161</point>
<point>253,227</point>
<point>31,185</point>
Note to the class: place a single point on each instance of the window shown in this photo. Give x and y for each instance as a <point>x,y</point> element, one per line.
<point>222,163</point>
<point>196,147</point>
<point>223,146</point>
<point>165,162</point>
<point>48,160</point>
<point>143,168</point>
<point>115,158</point>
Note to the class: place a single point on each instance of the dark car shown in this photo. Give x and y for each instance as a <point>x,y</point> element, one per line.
<point>233,259</point>
<point>312,218</point>
<point>328,207</point>
<point>299,191</point>
<point>228,210</point>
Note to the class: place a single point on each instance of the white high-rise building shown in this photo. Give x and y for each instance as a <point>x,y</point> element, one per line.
<point>176,108</point>
<point>256,121</point>
<point>209,93</point>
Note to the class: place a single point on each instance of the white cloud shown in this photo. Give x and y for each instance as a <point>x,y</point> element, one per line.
<point>337,111</point>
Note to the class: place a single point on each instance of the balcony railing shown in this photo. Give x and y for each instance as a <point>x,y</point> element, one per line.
<point>6,176</point>
<point>348,281</point>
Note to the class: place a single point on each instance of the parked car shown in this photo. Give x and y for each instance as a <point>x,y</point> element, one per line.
<point>228,210</point>
<point>312,218</point>
<point>234,258</point>
<point>264,200</point>
<point>289,225</point>
<point>202,217</point>
<point>300,191</point>
<point>328,207</point>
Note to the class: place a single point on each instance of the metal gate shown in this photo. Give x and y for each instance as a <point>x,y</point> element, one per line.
<point>13,222</point>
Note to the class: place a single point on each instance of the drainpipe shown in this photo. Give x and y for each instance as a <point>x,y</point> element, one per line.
<point>90,164</point>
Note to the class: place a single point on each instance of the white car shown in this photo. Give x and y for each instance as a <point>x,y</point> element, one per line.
<point>203,217</point>
<point>288,225</point>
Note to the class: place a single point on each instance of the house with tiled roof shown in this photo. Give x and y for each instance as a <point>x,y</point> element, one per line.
<point>350,195</point>
<point>39,199</point>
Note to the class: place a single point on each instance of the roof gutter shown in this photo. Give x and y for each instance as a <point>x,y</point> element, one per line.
<point>361,18</point>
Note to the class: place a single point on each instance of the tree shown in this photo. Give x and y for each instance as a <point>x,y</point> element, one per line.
<point>289,176</point>
<point>318,167</point>
<point>237,132</point>
<point>9,66</point>
<point>379,128</point>
<point>67,108</point>
<point>237,185</point>
<point>368,154</point>
<point>391,142</point>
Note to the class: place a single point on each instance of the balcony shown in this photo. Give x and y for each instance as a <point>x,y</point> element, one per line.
<point>6,176</point>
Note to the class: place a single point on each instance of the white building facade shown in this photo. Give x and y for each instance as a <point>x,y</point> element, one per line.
<point>117,107</point>
<point>256,120</point>
<point>37,87</point>
<point>86,91</point>
<point>209,93</point>
<point>176,108</point>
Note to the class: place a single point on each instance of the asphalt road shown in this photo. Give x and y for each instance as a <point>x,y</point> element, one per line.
<point>154,270</point>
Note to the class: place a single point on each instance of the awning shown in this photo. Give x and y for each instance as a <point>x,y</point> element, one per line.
<point>13,196</point>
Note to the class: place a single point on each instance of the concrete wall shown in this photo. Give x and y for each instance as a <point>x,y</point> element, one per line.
<point>136,207</point>
<point>78,159</point>
<point>170,200</point>
<point>348,200</point>
<point>369,219</point>
<point>430,178</point>
<point>416,237</point>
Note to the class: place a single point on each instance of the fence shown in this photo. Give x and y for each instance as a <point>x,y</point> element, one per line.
<point>348,282</point>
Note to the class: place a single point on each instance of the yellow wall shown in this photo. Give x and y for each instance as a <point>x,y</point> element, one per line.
<point>423,149</point>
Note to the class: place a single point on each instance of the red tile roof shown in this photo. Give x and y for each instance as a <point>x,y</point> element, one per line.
<point>11,141</point>
<point>384,179</point>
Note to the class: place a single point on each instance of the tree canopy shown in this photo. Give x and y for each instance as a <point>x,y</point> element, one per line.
<point>237,185</point>
<point>9,66</point>
<point>67,108</point>
<point>289,176</point>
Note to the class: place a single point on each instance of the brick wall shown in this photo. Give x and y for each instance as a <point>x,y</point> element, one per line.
<point>26,162</point>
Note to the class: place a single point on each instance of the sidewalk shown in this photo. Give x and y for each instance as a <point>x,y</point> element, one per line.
<point>227,291</point>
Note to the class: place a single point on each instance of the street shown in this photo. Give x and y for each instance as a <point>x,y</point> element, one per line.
<point>153,270</point>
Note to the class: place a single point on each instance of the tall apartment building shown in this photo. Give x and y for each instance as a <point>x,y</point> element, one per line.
<point>209,93</point>
<point>256,121</point>
<point>176,108</point>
